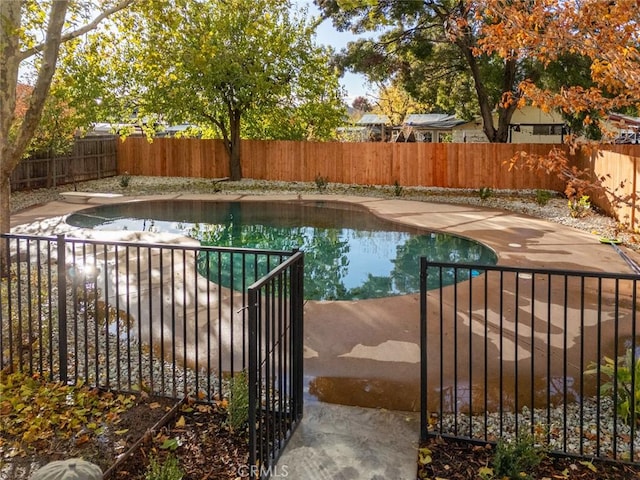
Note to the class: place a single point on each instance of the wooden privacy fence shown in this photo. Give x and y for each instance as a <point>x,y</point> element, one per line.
<point>90,159</point>
<point>458,165</point>
<point>450,165</point>
<point>618,166</point>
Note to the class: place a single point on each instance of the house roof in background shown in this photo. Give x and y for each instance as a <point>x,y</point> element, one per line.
<point>624,120</point>
<point>373,119</point>
<point>432,120</point>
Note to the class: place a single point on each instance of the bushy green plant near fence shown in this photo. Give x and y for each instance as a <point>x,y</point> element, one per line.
<point>543,196</point>
<point>167,470</point>
<point>624,383</point>
<point>397,189</point>
<point>514,460</point>
<point>485,192</point>
<point>238,407</point>
<point>125,180</point>
<point>321,183</point>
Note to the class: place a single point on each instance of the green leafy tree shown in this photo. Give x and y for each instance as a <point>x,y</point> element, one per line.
<point>234,68</point>
<point>310,109</point>
<point>31,35</point>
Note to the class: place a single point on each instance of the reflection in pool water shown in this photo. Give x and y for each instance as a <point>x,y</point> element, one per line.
<point>349,252</point>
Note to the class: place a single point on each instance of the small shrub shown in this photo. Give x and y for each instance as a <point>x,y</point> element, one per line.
<point>514,460</point>
<point>485,192</point>
<point>397,189</point>
<point>579,208</point>
<point>543,197</point>
<point>125,180</point>
<point>238,408</point>
<point>321,183</point>
<point>168,470</point>
<point>625,372</point>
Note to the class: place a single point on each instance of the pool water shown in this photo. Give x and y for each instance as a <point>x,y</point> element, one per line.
<point>349,252</point>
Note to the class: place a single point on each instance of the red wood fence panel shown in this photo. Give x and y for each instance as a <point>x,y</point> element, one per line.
<point>454,165</point>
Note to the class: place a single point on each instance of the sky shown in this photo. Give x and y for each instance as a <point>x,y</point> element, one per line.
<point>356,85</point>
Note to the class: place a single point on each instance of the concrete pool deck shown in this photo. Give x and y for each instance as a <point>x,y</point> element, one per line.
<point>366,352</point>
<point>356,352</point>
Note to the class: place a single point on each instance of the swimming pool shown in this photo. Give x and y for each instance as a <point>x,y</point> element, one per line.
<point>349,252</point>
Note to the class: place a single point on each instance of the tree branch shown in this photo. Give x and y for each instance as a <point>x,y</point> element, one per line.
<point>43,82</point>
<point>81,31</point>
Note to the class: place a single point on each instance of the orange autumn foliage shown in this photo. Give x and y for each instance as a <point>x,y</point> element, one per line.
<point>23,93</point>
<point>605,32</point>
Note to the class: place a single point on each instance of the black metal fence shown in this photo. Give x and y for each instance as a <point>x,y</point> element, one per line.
<point>172,320</point>
<point>275,360</point>
<point>549,354</point>
<point>91,158</point>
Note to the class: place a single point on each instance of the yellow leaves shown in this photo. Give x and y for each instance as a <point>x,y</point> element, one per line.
<point>424,456</point>
<point>589,465</point>
<point>485,472</point>
<point>181,422</point>
<point>32,410</point>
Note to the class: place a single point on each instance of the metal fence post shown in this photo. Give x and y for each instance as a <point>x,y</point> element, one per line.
<point>253,375</point>
<point>62,307</point>
<point>298,328</point>
<point>423,348</point>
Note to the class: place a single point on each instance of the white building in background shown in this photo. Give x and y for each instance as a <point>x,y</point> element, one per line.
<point>533,125</point>
<point>528,125</point>
<point>623,128</point>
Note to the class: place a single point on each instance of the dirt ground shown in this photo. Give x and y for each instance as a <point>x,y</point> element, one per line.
<point>154,427</point>
<point>447,459</point>
<point>206,449</point>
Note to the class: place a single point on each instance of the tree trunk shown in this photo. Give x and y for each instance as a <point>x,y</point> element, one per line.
<point>499,134</point>
<point>235,166</point>
<point>505,113</point>
<point>5,202</point>
<point>10,58</point>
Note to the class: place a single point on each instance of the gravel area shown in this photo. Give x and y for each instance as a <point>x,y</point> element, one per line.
<point>588,428</point>
<point>556,209</point>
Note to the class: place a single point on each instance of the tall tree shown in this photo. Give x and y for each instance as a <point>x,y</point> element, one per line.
<point>430,47</point>
<point>602,35</point>
<point>32,32</point>
<point>232,67</point>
